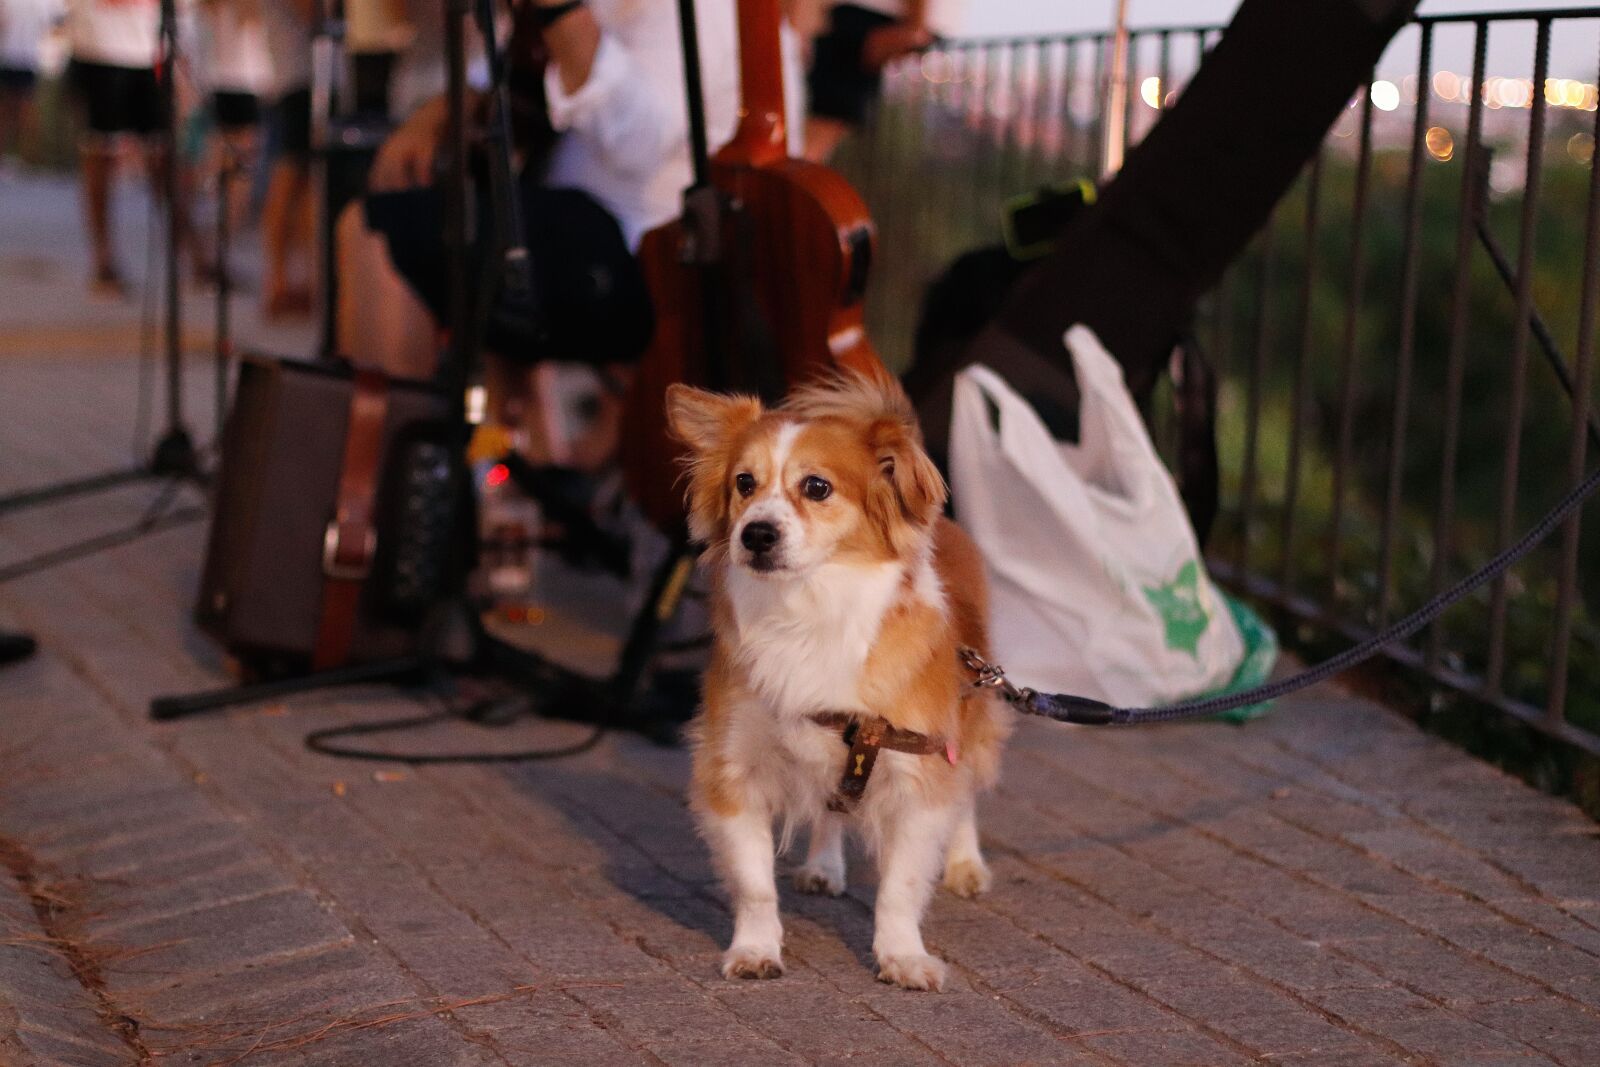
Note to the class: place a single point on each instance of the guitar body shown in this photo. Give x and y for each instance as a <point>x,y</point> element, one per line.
<point>797,244</point>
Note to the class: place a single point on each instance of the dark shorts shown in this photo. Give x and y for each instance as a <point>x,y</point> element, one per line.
<point>17,79</point>
<point>840,87</point>
<point>235,110</point>
<point>118,99</point>
<point>593,304</point>
<point>370,75</point>
<point>292,113</point>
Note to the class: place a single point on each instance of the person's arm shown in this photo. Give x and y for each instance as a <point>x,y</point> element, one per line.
<point>405,160</point>
<point>573,40</point>
<point>614,90</point>
<point>888,43</point>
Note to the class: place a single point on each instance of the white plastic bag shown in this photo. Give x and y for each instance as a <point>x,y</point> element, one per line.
<point>1097,585</point>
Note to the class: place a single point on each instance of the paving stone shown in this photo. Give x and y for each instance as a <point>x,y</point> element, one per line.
<point>1440,971</point>
<point>52,1049</point>
<point>1173,1047</point>
<point>1420,1026</point>
<point>813,1021</point>
<point>971,1028</point>
<point>668,1009</point>
<point>713,1053</point>
<point>331,982</point>
<point>1552,1028</point>
<point>221,938</point>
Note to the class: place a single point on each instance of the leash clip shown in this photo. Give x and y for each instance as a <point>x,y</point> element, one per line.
<point>992,676</point>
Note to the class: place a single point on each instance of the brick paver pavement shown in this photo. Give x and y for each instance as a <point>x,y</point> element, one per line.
<point>1325,886</point>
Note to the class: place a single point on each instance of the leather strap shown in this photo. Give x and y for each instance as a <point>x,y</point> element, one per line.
<point>865,738</point>
<point>351,538</point>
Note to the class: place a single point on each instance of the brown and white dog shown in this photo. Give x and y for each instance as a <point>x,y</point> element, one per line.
<point>841,593</point>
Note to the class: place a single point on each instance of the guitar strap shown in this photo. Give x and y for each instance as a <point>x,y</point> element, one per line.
<point>351,538</point>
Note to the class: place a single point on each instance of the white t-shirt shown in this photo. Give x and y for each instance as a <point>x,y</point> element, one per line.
<point>288,46</point>
<point>118,33</point>
<point>626,129</point>
<point>233,50</point>
<point>24,24</point>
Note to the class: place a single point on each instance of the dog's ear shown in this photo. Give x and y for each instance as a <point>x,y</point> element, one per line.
<point>706,421</point>
<point>909,493</point>
<point>710,424</point>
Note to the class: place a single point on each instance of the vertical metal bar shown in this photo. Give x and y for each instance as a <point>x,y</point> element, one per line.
<point>996,123</point>
<point>1015,119</point>
<point>1163,75</point>
<point>1352,326</point>
<point>1114,137</point>
<point>1102,44</point>
<point>1053,129</point>
<point>1081,65</point>
<point>1495,674</point>
<point>1410,255</point>
<point>1066,119</point>
<point>1130,90</point>
<point>1257,372</point>
<point>1024,130</point>
<point>1456,360</point>
<point>1039,103</point>
<point>1302,373</point>
<point>1577,448</point>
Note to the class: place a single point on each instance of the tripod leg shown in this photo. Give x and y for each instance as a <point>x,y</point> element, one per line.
<point>93,484</point>
<point>164,709</point>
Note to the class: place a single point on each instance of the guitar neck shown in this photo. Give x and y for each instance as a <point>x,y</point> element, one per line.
<point>762,136</point>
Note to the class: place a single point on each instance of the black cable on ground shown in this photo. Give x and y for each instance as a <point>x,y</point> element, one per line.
<point>318,740</point>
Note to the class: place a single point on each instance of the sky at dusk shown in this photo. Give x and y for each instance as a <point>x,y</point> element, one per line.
<point>1573,54</point>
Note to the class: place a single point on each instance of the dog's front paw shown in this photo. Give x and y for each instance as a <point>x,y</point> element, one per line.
<point>968,877</point>
<point>819,881</point>
<point>912,972</point>
<point>752,961</point>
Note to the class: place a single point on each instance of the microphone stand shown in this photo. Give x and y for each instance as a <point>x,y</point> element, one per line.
<point>174,457</point>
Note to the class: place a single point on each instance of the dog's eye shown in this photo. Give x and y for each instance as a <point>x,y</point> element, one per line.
<point>816,488</point>
<point>745,482</point>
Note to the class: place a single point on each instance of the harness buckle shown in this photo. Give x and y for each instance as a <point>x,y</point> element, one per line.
<point>992,676</point>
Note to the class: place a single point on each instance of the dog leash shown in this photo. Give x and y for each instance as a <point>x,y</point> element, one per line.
<point>1065,707</point>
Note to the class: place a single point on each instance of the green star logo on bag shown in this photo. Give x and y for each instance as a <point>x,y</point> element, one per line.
<point>1178,603</point>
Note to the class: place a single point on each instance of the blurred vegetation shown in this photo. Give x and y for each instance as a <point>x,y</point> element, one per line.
<point>935,186</point>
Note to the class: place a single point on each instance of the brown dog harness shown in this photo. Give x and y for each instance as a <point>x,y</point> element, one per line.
<point>865,738</point>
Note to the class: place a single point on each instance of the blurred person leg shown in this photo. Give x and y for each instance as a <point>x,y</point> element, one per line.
<point>381,320</point>
<point>101,119</point>
<point>288,215</point>
<point>237,119</point>
<point>16,111</point>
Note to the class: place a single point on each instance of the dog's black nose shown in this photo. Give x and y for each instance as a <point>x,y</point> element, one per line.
<point>760,537</point>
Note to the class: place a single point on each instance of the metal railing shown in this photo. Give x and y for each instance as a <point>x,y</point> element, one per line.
<point>1400,397</point>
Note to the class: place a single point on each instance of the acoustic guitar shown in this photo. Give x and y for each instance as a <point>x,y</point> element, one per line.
<point>760,285</point>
